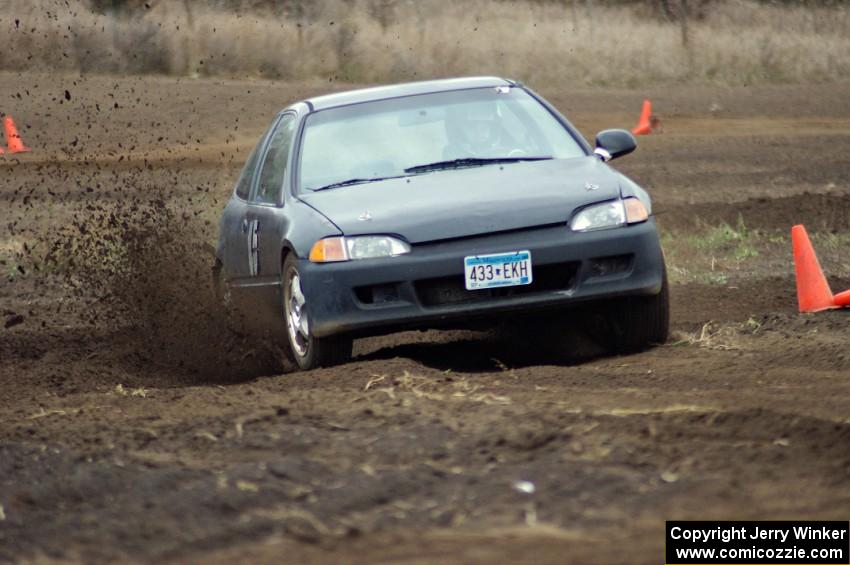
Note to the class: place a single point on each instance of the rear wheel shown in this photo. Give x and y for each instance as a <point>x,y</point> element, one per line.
<point>223,301</point>
<point>638,322</point>
<point>308,351</point>
<point>218,281</point>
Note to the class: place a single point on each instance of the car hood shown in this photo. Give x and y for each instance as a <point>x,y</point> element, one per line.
<point>466,202</point>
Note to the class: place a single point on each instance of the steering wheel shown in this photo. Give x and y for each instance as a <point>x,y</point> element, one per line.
<point>518,153</point>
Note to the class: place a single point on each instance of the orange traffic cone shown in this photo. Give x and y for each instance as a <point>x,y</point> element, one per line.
<point>842,299</point>
<point>644,127</point>
<point>13,139</point>
<point>813,292</point>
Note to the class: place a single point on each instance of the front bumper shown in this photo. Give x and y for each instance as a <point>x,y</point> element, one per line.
<point>426,287</point>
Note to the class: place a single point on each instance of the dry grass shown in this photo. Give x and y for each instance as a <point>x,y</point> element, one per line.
<point>140,392</point>
<point>718,336</point>
<point>458,389</point>
<point>546,44</point>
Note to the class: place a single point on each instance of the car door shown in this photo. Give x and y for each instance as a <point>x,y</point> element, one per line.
<point>266,220</point>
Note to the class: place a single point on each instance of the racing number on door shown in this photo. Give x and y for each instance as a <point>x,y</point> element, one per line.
<point>253,248</point>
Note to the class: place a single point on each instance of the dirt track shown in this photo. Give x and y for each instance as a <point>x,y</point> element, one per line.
<point>130,429</point>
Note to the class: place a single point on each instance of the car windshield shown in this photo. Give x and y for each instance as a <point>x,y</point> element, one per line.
<point>425,133</point>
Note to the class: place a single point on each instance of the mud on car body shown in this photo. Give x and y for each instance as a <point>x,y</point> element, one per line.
<point>436,204</point>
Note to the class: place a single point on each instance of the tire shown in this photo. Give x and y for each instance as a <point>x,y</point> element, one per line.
<point>636,323</point>
<point>308,351</point>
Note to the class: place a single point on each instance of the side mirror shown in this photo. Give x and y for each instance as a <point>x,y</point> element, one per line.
<point>613,143</point>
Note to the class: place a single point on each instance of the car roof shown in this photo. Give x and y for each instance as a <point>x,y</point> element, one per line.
<point>405,89</point>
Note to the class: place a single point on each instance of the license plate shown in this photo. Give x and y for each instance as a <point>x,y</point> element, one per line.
<point>498,269</point>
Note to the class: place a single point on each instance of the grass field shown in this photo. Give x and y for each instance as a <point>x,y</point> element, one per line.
<point>737,42</point>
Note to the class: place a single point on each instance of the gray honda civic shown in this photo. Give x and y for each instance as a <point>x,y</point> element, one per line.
<point>451,203</point>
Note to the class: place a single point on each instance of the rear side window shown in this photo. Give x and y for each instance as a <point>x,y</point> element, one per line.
<point>243,185</point>
<point>275,162</point>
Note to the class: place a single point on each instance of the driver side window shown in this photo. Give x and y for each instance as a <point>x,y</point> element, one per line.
<point>275,161</point>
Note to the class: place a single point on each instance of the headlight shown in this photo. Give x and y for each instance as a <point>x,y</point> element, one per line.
<point>371,246</point>
<point>610,215</point>
<point>361,247</point>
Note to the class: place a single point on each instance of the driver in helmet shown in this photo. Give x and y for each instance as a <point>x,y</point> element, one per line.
<point>475,130</point>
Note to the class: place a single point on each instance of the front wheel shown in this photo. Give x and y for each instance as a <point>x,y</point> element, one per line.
<point>640,321</point>
<point>308,351</point>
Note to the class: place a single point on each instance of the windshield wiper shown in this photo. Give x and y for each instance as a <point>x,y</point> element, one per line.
<point>470,162</point>
<point>452,164</point>
<point>350,182</point>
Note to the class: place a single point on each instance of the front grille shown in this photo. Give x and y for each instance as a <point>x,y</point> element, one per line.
<point>452,290</point>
